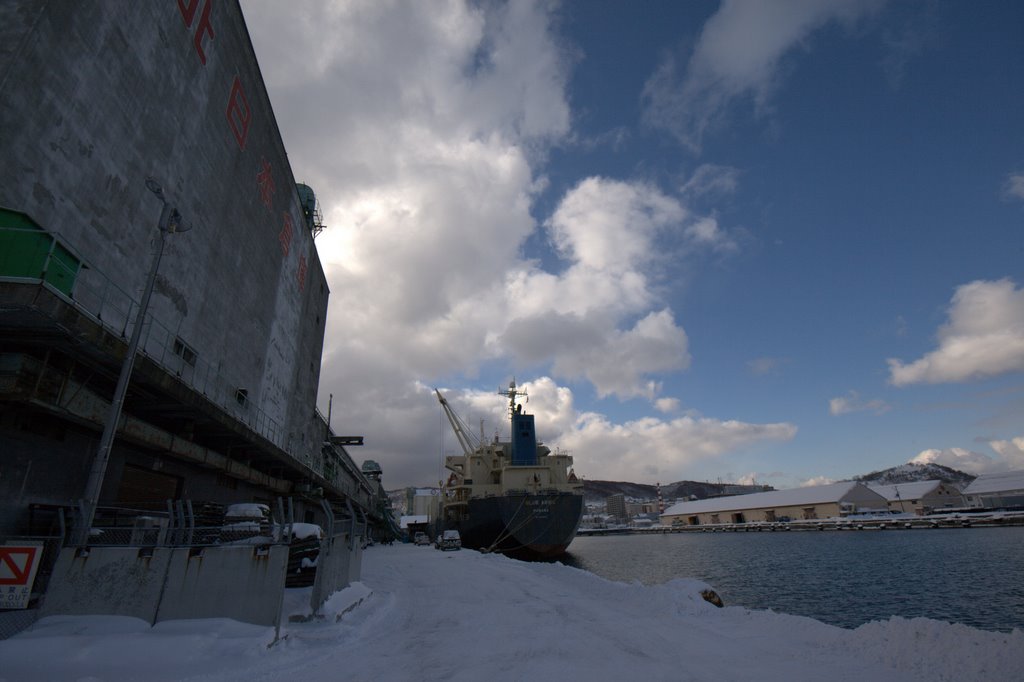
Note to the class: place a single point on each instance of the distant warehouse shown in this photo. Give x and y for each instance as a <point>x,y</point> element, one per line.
<point>992,491</point>
<point>816,502</point>
<point>919,497</point>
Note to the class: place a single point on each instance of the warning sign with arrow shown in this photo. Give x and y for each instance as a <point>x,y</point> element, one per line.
<point>18,566</point>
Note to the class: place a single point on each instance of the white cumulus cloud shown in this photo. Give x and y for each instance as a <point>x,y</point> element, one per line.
<point>423,128</point>
<point>736,58</point>
<point>1011,452</point>
<point>958,458</point>
<point>816,480</point>
<point>983,337</point>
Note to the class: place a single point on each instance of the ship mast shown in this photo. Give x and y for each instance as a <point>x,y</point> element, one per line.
<point>512,393</point>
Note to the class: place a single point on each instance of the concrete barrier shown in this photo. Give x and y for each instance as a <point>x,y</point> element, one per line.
<point>242,582</point>
<point>332,569</point>
<point>109,581</point>
<point>355,560</point>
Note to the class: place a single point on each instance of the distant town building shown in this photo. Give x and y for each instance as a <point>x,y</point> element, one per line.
<point>422,502</point>
<point>616,506</point>
<point>817,502</point>
<point>634,509</point>
<point>919,497</point>
<point>991,491</point>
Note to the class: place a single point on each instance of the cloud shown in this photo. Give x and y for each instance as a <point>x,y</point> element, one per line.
<point>907,42</point>
<point>983,337</point>
<point>425,143</point>
<point>711,180</point>
<point>609,225</point>
<point>961,459</point>
<point>766,366</point>
<point>1010,451</point>
<point>737,57</point>
<point>816,480</point>
<point>667,405</point>
<point>1013,188</point>
<point>650,449</point>
<point>852,402</point>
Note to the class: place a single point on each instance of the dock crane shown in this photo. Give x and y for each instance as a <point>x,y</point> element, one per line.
<point>468,443</point>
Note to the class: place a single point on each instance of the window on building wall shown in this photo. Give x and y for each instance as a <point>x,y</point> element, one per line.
<point>184,351</point>
<point>242,397</point>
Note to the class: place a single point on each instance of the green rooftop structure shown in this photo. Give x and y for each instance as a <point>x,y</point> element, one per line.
<point>27,251</point>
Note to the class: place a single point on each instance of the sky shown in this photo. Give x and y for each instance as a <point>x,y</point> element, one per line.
<point>400,623</point>
<point>775,242</point>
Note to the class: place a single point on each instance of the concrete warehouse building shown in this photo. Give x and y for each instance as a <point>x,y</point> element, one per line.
<point>919,497</point>
<point>797,504</point>
<point>115,116</point>
<point>992,491</point>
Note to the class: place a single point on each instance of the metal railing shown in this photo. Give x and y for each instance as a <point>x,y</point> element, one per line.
<point>181,524</point>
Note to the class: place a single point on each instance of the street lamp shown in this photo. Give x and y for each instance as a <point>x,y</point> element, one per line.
<point>170,222</point>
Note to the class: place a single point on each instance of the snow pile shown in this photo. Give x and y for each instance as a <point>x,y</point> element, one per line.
<point>304,531</point>
<point>424,615</point>
<point>247,510</point>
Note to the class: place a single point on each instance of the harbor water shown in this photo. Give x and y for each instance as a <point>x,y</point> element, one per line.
<point>970,576</point>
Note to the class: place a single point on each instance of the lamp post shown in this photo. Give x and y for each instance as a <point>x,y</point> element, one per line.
<point>170,222</point>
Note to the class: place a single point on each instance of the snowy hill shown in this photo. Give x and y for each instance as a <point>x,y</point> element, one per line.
<point>908,473</point>
<point>594,490</point>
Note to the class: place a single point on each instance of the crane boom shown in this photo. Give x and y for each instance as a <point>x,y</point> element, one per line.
<point>457,426</point>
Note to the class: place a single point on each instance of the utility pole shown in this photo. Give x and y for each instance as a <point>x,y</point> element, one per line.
<point>169,223</point>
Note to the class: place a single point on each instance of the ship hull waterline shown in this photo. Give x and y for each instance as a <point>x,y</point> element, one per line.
<point>520,525</point>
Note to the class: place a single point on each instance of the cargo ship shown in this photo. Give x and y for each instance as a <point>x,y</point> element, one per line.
<point>515,497</point>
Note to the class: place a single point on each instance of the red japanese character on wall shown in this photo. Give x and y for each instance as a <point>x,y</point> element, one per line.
<point>285,236</point>
<point>203,28</point>
<point>301,274</point>
<point>265,183</point>
<point>238,113</point>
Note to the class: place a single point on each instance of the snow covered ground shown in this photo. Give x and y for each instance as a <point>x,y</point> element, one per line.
<point>421,614</point>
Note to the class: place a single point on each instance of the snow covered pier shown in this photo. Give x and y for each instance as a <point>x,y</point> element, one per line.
<point>418,614</point>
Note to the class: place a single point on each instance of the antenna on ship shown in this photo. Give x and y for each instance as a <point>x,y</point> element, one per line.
<point>511,393</point>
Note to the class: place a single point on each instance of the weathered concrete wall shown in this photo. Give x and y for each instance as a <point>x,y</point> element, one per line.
<point>96,96</point>
<point>112,581</point>
<point>244,583</point>
<point>333,568</point>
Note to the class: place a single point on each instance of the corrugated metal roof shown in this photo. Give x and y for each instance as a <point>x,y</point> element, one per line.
<point>996,483</point>
<point>905,491</point>
<point>819,494</point>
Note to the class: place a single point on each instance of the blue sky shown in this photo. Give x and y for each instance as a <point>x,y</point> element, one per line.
<point>775,241</point>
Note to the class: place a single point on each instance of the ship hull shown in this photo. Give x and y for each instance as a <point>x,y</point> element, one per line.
<point>524,526</point>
